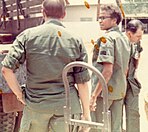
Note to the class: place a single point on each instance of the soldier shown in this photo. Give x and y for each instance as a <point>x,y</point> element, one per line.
<point>134,32</point>
<point>47,49</point>
<point>111,58</point>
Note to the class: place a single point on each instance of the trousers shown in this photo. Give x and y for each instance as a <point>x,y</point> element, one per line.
<point>115,107</point>
<point>131,103</point>
<point>42,122</point>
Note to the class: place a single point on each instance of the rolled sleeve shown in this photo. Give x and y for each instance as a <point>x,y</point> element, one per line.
<point>14,58</point>
<point>82,77</point>
<point>104,58</point>
<point>10,62</point>
<point>16,54</point>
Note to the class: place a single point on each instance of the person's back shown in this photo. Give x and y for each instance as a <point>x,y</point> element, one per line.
<point>47,49</point>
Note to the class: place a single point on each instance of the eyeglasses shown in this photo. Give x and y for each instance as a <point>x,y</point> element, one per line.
<point>103,17</point>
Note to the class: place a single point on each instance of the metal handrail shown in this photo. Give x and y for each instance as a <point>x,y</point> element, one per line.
<point>106,126</point>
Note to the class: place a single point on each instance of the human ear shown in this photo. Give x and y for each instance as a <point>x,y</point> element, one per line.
<point>114,20</point>
<point>43,13</point>
<point>64,15</point>
<point>129,35</point>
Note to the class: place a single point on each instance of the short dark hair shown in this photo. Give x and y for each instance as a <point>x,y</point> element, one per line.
<point>113,10</point>
<point>133,25</point>
<point>54,8</point>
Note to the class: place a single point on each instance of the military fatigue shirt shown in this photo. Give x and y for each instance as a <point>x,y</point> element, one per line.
<point>115,50</point>
<point>47,49</point>
<point>133,83</point>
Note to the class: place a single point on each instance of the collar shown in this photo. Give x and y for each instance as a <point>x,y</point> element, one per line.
<point>116,28</point>
<point>54,21</point>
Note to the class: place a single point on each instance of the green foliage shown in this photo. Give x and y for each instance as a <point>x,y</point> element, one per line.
<point>135,8</point>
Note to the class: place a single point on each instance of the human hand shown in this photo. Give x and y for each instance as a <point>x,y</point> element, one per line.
<point>21,99</point>
<point>93,103</point>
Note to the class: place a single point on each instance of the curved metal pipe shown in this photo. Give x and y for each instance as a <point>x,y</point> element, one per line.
<point>106,113</point>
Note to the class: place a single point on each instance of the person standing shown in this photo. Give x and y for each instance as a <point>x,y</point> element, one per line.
<point>134,32</point>
<point>111,58</point>
<point>47,49</point>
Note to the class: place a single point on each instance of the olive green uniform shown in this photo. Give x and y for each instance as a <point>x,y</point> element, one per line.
<point>116,50</point>
<point>47,49</point>
<point>131,100</point>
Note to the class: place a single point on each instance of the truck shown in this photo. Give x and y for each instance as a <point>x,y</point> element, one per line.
<point>15,16</point>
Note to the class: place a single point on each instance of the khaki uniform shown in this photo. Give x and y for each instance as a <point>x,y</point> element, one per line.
<point>131,100</point>
<point>116,50</point>
<point>47,49</point>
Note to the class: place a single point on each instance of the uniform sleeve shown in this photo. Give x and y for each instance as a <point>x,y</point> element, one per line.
<point>16,54</point>
<point>106,52</point>
<point>81,74</point>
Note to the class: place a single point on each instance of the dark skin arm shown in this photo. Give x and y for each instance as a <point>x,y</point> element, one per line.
<point>107,73</point>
